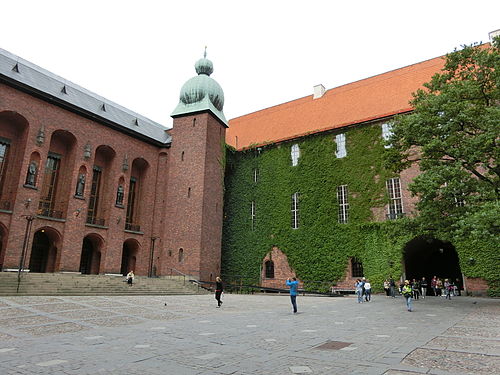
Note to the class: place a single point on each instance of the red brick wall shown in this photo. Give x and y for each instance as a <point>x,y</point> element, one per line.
<point>282,269</point>
<point>195,196</point>
<point>18,109</point>
<point>475,286</point>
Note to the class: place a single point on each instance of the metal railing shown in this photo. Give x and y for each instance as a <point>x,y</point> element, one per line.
<point>96,221</point>
<point>47,212</point>
<point>132,227</point>
<point>5,205</point>
<point>395,215</point>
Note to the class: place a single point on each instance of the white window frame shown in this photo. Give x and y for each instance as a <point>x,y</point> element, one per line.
<point>252,214</point>
<point>342,198</point>
<point>340,140</point>
<point>295,154</point>
<point>387,134</point>
<point>295,210</point>
<point>395,209</point>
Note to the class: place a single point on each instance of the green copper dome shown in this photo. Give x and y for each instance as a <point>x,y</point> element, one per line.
<point>201,93</point>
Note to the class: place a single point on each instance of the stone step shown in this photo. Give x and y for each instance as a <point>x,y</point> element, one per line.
<point>76,284</point>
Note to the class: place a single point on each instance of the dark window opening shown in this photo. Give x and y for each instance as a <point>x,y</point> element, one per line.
<point>269,269</point>
<point>356,267</point>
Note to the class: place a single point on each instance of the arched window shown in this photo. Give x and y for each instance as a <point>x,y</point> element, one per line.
<point>181,255</point>
<point>356,267</point>
<point>269,269</point>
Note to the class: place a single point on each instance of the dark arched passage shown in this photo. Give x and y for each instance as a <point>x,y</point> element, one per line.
<point>428,257</point>
<point>43,252</point>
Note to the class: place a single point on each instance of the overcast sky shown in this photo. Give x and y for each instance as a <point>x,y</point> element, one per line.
<point>140,53</point>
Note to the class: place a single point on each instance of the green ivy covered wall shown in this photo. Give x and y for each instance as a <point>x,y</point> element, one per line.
<point>320,247</point>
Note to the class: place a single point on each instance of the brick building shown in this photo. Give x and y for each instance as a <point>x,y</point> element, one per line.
<point>89,186</point>
<point>278,172</point>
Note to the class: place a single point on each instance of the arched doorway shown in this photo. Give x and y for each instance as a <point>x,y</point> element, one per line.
<point>129,256</point>
<point>43,252</point>
<point>90,260</point>
<point>428,257</point>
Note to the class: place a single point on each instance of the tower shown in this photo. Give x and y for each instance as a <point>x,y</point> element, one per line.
<point>194,197</point>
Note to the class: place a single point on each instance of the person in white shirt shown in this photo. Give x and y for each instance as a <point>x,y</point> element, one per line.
<point>368,290</point>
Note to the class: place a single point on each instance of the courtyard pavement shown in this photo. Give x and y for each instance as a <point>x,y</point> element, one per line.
<point>250,334</point>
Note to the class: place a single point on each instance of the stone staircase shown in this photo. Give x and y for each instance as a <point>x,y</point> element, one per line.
<point>52,284</point>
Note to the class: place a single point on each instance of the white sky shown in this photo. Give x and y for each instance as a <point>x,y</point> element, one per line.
<point>140,53</point>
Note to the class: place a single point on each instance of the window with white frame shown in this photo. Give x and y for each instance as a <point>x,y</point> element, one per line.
<point>341,149</point>
<point>295,154</point>
<point>252,214</point>
<point>255,175</point>
<point>295,210</point>
<point>342,196</point>
<point>395,209</point>
<point>387,134</point>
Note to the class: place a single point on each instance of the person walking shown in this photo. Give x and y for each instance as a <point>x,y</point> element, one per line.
<point>434,285</point>
<point>392,287</point>
<point>387,288</point>
<point>407,294</point>
<point>368,291</point>
<point>415,285</point>
<point>130,278</point>
<point>447,289</point>
<point>218,290</point>
<point>293,284</point>
<point>423,287</point>
<point>359,290</point>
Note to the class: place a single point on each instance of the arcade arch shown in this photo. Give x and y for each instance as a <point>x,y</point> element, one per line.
<point>43,257</point>
<point>90,260</point>
<point>428,257</point>
<point>129,256</point>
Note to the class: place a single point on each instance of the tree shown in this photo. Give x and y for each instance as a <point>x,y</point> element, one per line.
<point>453,135</point>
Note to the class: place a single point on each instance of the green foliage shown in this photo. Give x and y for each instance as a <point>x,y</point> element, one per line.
<point>320,248</point>
<point>453,134</point>
<point>454,128</point>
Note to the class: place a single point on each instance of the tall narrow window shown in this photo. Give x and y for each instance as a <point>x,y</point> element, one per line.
<point>295,154</point>
<point>4,157</point>
<point>132,195</point>
<point>341,149</point>
<point>269,269</point>
<point>49,187</point>
<point>356,267</point>
<point>94,196</point>
<point>342,198</point>
<point>252,214</point>
<point>295,210</point>
<point>395,209</point>
<point>387,134</point>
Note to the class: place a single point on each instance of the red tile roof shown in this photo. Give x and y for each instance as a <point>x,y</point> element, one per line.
<point>368,99</point>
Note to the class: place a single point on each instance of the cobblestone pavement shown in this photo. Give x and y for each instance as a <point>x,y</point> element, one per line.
<point>250,334</point>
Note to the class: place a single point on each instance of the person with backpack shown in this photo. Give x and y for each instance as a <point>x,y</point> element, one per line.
<point>407,294</point>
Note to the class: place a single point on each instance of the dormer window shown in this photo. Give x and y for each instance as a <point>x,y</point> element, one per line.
<point>387,134</point>
<point>341,149</point>
<point>295,154</point>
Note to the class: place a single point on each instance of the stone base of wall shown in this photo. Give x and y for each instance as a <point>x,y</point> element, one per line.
<point>475,286</point>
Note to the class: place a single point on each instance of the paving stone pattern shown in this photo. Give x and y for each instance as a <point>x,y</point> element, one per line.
<point>249,335</point>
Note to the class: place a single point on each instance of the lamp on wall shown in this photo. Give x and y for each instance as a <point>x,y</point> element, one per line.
<point>87,151</point>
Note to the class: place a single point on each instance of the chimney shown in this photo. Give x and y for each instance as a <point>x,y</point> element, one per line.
<point>319,91</point>
<point>493,34</point>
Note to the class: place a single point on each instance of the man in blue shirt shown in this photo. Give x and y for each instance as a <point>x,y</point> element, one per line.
<point>293,284</point>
